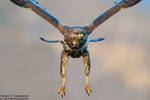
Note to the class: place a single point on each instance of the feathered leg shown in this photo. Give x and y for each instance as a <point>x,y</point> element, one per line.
<point>63,65</point>
<point>86,61</point>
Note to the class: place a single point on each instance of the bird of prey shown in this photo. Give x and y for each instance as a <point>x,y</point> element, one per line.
<point>76,38</point>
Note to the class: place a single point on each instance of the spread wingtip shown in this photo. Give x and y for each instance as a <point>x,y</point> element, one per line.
<point>20,3</point>
<point>131,3</point>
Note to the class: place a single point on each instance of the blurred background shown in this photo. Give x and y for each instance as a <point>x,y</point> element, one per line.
<point>120,64</point>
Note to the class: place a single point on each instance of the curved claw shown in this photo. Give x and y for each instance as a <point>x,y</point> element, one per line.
<point>62,91</point>
<point>88,90</point>
<point>50,41</point>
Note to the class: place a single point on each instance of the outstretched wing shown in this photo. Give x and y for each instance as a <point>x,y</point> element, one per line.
<point>37,8</point>
<point>50,41</point>
<point>107,14</point>
<point>96,40</point>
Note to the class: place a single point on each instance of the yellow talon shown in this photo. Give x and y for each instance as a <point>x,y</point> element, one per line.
<point>62,91</point>
<point>88,90</point>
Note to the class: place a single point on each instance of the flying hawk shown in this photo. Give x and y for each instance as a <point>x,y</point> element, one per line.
<point>76,38</point>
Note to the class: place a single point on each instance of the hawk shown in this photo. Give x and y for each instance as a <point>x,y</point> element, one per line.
<point>76,38</point>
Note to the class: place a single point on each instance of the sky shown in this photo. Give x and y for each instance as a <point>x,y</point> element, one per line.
<point>120,67</point>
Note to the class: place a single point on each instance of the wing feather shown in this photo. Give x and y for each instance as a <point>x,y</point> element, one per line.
<point>50,41</point>
<point>37,8</point>
<point>96,40</point>
<point>108,13</point>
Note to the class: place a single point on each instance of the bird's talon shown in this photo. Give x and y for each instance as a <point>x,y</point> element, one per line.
<point>88,90</point>
<point>62,91</point>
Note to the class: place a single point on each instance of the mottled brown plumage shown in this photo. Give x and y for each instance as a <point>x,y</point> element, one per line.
<point>76,39</point>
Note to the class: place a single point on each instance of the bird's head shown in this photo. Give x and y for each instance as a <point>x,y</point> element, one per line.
<point>76,37</point>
